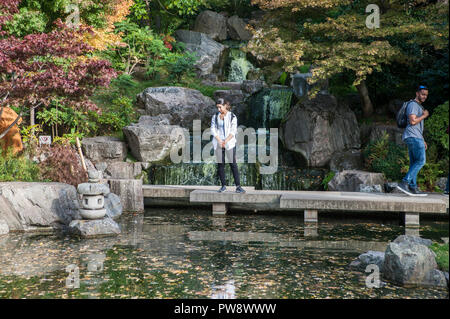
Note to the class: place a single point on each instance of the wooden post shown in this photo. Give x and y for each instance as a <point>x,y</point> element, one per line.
<point>81,154</point>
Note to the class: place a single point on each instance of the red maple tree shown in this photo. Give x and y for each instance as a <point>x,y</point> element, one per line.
<point>38,68</point>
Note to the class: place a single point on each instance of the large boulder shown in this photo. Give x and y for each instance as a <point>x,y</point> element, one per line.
<point>318,128</point>
<point>123,170</point>
<point>374,132</point>
<point>34,206</point>
<point>153,143</point>
<point>180,106</point>
<point>104,149</point>
<point>209,52</point>
<point>237,29</point>
<point>395,133</point>
<point>347,160</point>
<point>351,180</point>
<point>212,24</point>
<point>408,262</point>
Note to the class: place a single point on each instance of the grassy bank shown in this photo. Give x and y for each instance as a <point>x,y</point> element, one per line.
<point>441,251</point>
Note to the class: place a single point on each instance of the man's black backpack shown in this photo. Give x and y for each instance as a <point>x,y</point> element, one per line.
<point>402,119</point>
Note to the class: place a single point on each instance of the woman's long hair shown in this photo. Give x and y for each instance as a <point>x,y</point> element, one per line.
<point>224,102</point>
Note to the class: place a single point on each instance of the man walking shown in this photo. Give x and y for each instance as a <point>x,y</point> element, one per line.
<point>413,137</point>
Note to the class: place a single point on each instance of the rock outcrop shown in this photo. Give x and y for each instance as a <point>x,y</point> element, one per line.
<point>351,180</point>
<point>237,29</point>
<point>318,128</point>
<point>104,149</point>
<point>212,24</point>
<point>209,52</point>
<point>175,105</point>
<point>153,143</point>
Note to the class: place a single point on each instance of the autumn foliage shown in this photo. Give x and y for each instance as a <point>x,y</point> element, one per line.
<point>332,36</point>
<point>39,67</point>
<point>62,165</point>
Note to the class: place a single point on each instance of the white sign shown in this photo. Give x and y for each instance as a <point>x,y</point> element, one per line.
<point>45,139</point>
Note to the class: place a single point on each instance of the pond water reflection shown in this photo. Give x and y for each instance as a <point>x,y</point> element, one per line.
<point>168,253</point>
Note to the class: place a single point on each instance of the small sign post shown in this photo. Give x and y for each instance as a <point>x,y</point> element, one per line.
<point>45,139</point>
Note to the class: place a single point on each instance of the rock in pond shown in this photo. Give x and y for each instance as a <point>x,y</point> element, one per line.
<point>94,228</point>
<point>408,262</point>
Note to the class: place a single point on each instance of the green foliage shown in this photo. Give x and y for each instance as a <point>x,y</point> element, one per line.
<point>63,119</point>
<point>441,251</point>
<point>436,127</point>
<point>29,135</point>
<point>164,16</point>
<point>92,13</point>
<point>18,168</point>
<point>242,8</point>
<point>181,65</point>
<point>118,114</point>
<point>327,179</point>
<point>68,138</point>
<point>143,47</point>
<point>195,83</point>
<point>26,22</point>
<point>283,78</point>
<point>384,156</point>
<point>331,35</point>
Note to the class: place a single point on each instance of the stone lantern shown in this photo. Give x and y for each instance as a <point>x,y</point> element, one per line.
<point>96,221</point>
<point>92,196</point>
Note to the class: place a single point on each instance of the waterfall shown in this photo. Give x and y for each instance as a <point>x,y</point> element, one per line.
<point>239,66</point>
<point>269,106</point>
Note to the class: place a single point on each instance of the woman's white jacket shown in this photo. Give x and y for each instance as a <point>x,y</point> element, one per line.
<point>230,125</point>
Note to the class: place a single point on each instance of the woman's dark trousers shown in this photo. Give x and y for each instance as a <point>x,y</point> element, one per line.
<point>230,155</point>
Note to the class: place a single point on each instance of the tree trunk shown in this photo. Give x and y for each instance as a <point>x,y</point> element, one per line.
<point>32,122</point>
<point>367,105</point>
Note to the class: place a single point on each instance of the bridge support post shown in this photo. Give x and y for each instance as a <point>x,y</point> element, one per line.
<point>412,220</point>
<point>219,209</point>
<point>311,216</point>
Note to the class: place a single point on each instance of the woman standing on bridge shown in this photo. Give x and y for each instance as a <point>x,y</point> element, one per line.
<point>224,129</point>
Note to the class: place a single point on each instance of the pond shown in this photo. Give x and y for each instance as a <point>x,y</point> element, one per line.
<point>171,253</point>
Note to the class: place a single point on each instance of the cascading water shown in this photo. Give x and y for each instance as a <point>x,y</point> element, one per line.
<point>269,106</point>
<point>239,66</point>
<point>202,173</point>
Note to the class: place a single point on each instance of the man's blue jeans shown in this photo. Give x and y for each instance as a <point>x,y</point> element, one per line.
<point>417,159</point>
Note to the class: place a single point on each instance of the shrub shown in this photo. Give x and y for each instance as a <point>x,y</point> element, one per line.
<point>62,165</point>
<point>436,127</point>
<point>384,156</point>
<point>118,114</point>
<point>18,168</point>
<point>181,65</point>
<point>327,179</point>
